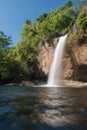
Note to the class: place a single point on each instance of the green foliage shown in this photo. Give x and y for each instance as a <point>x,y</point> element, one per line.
<point>42,18</point>
<point>4,41</point>
<point>84,24</point>
<point>79,34</point>
<point>49,25</point>
<point>10,69</point>
<point>82,15</point>
<point>69,3</point>
<point>82,21</point>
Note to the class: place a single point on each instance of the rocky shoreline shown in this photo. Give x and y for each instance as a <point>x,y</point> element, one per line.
<point>23,83</point>
<point>65,83</point>
<point>71,83</point>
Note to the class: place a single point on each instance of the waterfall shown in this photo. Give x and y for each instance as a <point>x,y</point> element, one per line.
<point>56,69</point>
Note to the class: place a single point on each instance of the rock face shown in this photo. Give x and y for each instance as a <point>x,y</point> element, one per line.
<point>46,56</point>
<point>45,59</point>
<point>74,63</point>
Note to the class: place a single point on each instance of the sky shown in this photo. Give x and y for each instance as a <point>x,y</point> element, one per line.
<point>13,14</point>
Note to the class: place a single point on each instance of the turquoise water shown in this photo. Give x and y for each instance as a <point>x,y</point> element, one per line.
<point>46,108</point>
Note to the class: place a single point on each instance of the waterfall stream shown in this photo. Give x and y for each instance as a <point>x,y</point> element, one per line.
<point>54,76</point>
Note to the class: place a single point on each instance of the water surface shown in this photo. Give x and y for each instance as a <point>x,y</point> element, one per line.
<point>46,108</point>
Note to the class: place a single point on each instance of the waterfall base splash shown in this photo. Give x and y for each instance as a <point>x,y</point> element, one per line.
<point>47,85</point>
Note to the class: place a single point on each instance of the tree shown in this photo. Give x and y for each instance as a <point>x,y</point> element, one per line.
<point>69,3</point>
<point>42,17</point>
<point>82,21</point>
<point>28,21</point>
<point>4,41</point>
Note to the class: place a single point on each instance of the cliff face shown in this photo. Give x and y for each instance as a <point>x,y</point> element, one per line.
<point>46,56</point>
<point>74,63</point>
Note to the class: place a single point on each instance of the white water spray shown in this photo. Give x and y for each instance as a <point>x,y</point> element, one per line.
<point>56,69</point>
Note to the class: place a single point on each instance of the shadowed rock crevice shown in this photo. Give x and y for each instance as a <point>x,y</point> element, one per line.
<point>80,73</point>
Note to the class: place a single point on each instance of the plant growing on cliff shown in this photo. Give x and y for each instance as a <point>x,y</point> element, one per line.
<point>82,21</point>
<point>80,33</point>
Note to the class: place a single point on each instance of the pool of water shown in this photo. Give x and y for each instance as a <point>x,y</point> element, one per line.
<point>43,108</point>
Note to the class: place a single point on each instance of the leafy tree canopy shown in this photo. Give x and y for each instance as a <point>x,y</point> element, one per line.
<point>5,41</point>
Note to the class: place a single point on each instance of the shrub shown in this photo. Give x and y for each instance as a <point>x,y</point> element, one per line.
<point>82,21</point>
